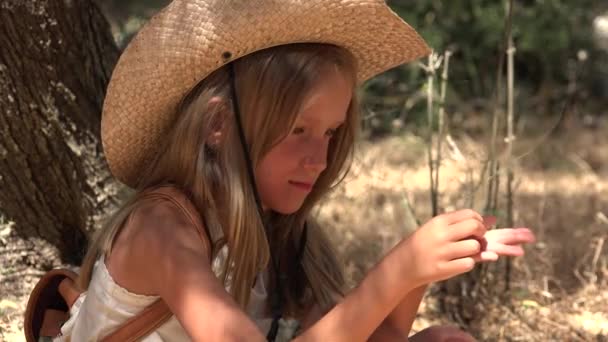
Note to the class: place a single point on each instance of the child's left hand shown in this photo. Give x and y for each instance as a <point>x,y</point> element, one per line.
<point>503,241</point>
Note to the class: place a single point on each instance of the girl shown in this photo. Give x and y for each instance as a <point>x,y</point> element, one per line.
<point>231,119</point>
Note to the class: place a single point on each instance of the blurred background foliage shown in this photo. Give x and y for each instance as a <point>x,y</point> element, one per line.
<point>559,56</point>
<point>548,34</point>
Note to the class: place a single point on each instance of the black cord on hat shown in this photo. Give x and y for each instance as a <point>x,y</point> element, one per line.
<point>277,297</point>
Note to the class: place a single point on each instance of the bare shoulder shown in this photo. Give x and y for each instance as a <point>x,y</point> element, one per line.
<point>313,315</point>
<point>153,243</point>
<point>160,252</point>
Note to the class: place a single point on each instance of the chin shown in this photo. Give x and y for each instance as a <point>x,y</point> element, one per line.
<point>286,208</point>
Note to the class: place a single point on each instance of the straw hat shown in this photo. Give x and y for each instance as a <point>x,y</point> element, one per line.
<point>188,40</point>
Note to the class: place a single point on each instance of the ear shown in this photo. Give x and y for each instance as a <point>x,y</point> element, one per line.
<point>215,138</point>
<point>217,106</point>
<point>216,102</point>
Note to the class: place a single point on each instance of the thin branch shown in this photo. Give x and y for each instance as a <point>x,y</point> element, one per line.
<point>430,70</point>
<point>441,119</point>
<point>509,140</point>
<point>492,157</point>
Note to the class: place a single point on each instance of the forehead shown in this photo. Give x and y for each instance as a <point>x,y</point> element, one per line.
<point>328,99</point>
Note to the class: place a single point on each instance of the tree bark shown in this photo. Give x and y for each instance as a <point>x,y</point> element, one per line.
<point>56,58</point>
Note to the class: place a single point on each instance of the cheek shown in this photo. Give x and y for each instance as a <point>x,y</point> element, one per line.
<point>282,158</point>
<point>274,171</point>
<point>289,149</point>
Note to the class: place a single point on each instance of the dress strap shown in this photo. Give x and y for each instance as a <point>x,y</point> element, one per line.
<point>185,205</point>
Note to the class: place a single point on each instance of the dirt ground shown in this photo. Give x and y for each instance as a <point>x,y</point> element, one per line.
<point>559,289</point>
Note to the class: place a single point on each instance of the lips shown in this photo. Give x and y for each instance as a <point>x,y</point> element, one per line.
<point>306,186</point>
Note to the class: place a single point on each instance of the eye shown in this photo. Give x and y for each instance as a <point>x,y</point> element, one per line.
<point>297,130</point>
<point>331,132</point>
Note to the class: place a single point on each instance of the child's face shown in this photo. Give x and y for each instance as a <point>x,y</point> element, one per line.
<point>287,173</point>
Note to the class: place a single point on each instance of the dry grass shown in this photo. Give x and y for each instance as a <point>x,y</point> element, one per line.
<point>559,287</point>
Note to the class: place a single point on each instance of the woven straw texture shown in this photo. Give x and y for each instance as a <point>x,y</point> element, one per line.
<point>185,42</point>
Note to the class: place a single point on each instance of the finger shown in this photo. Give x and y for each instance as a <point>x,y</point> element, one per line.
<point>510,236</point>
<point>482,242</point>
<point>464,248</point>
<point>465,229</point>
<point>486,256</point>
<point>506,250</point>
<point>459,266</point>
<point>523,235</point>
<point>461,215</point>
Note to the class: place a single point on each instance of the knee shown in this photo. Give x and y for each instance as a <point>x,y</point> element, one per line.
<point>442,333</point>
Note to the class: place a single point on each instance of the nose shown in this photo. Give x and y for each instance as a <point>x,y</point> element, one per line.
<point>316,157</point>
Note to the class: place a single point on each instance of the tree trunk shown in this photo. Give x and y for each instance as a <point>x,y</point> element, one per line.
<point>56,58</point>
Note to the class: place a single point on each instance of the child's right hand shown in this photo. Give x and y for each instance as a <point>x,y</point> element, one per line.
<point>444,247</point>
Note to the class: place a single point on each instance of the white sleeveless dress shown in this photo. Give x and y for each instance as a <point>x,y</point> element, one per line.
<point>106,305</point>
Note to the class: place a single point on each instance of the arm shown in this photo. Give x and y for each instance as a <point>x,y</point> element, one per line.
<point>376,296</point>
<point>499,242</point>
<point>397,326</point>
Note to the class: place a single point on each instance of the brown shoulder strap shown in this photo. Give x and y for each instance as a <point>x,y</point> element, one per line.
<point>179,199</point>
<point>141,325</point>
<point>41,299</point>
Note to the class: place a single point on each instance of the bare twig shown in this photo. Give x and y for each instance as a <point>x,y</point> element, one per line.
<point>429,108</point>
<point>409,216</point>
<point>441,119</point>
<point>434,62</point>
<point>491,200</point>
<point>509,140</point>
<point>601,217</point>
<point>455,150</point>
<point>596,256</point>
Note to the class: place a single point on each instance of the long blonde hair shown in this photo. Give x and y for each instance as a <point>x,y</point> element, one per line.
<point>271,85</point>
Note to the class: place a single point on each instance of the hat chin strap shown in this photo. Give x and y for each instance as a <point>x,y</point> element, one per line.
<point>277,297</point>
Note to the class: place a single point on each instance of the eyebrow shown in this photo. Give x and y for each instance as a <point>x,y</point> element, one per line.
<point>306,118</point>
